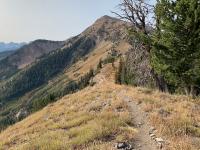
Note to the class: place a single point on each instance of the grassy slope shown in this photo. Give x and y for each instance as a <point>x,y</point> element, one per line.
<point>45,76</point>
<point>42,71</point>
<point>96,118</point>
<point>87,119</point>
<point>176,117</point>
<point>60,82</point>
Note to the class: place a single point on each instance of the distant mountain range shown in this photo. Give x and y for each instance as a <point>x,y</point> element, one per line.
<point>10,46</point>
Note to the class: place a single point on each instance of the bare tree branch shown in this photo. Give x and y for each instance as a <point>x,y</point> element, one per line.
<point>138,12</point>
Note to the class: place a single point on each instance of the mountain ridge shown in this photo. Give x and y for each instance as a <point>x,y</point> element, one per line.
<point>27,85</point>
<point>25,56</point>
<point>69,99</point>
<point>105,116</point>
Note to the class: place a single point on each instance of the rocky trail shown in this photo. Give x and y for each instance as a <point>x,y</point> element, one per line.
<point>146,138</point>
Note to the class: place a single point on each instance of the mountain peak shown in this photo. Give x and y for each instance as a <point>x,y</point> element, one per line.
<point>106,18</point>
<point>106,26</point>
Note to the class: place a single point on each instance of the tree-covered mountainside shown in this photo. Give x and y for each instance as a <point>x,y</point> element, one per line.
<point>25,56</point>
<point>41,71</point>
<point>43,81</point>
<point>56,61</point>
<point>5,54</point>
<point>156,50</point>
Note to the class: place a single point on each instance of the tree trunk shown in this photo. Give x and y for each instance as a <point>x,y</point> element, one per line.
<point>160,82</point>
<point>186,89</point>
<point>192,91</point>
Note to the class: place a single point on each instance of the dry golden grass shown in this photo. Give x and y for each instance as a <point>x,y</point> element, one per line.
<point>91,61</point>
<point>96,118</point>
<point>88,119</point>
<point>176,117</point>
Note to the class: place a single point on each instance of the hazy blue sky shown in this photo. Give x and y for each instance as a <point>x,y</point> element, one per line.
<point>27,20</point>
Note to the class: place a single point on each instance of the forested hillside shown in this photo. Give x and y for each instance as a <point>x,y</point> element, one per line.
<point>122,84</point>
<point>167,56</point>
<point>29,88</point>
<point>5,54</point>
<point>25,56</point>
<point>106,115</point>
<point>41,71</point>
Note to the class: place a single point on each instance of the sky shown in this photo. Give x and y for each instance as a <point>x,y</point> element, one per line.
<point>28,20</point>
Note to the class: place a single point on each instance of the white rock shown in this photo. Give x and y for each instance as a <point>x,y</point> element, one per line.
<point>152,135</point>
<point>140,123</point>
<point>121,145</point>
<point>159,140</point>
<point>124,146</point>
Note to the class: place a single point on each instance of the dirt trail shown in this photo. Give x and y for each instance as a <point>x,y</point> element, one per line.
<point>143,140</point>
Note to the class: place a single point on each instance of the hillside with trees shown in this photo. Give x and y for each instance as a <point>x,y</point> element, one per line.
<point>26,55</point>
<point>170,49</point>
<point>122,84</point>
<point>33,87</point>
<point>5,54</point>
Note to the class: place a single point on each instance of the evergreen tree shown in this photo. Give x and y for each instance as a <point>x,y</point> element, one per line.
<point>140,14</point>
<point>120,74</point>
<point>100,65</point>
<point>176,50</point>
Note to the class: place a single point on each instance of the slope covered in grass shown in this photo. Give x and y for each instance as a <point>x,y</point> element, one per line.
<point>92,118</point>
<point>98,117</point>
<point>48,78</point>
<point>176,117</point>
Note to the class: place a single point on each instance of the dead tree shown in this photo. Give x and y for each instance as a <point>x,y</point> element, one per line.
<point>137,12</point>
<point>140,13</point>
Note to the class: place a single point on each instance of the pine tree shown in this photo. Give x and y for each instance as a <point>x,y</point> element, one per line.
<point>176,50</point>
<point>100,65</point>
<point>120,74</point>
<point>140,14</point>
